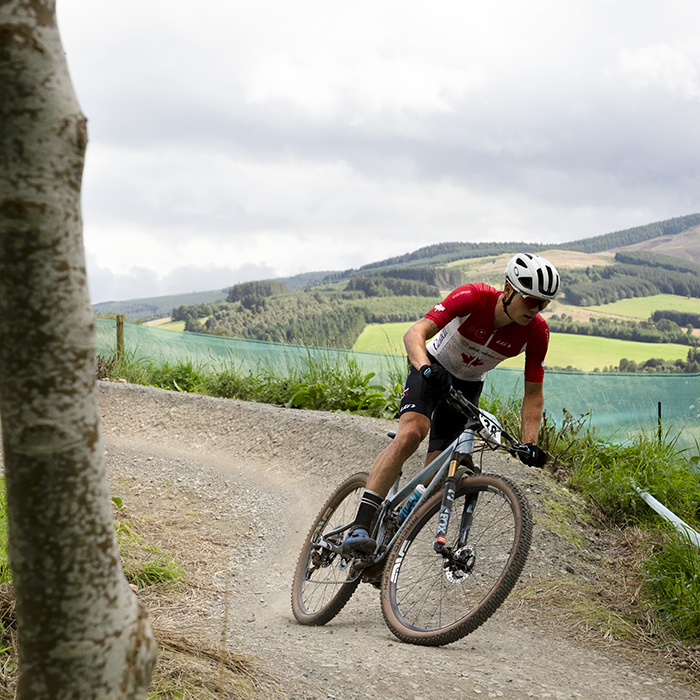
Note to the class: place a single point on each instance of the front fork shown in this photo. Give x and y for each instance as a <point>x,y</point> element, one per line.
<point>448,499</point>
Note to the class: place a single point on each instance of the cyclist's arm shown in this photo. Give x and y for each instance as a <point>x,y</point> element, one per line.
<point>531,413</point>
<point>415,339</point>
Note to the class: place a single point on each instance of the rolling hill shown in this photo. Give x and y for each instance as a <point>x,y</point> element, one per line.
<point>332,309</point>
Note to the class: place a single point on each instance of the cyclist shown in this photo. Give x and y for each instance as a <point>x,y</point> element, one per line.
<point>474,329</point>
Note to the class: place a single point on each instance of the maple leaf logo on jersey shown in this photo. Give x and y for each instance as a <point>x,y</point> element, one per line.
<point>439,307</point>
<point>471,360</point>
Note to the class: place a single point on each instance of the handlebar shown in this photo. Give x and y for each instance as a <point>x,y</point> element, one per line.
<point>482,423</point>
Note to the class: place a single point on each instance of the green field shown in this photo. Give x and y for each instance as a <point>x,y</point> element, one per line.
<point>167,325</point>
<point>578,351</point>
<point>386,338</point>
<point>644,307</point>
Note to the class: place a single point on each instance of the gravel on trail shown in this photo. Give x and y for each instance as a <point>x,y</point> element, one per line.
<point>246,480</point>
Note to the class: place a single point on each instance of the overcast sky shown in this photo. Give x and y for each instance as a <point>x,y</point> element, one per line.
<point>235,140</point>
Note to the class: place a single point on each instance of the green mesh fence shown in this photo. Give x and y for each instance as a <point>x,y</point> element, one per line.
<point>620,405</point>
<point>157,344</point>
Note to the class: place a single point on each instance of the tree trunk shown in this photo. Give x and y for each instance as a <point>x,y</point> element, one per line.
<point>82,632</point>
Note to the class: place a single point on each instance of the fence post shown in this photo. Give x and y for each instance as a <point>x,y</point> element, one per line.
<point>120,337</point>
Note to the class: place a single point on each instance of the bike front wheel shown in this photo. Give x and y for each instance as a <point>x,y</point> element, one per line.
<point>434,599</point>
<point>324,581</point>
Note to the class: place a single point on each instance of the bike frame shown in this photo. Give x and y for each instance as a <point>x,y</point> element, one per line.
<point>445,465</point>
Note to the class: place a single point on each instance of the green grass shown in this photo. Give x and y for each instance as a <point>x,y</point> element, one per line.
<point>322,383</point>
<point>172,326</point>
<point>606,473</point>
<point>385,338</point>
<point>588,352</point>
<point>644,307</point>
<point>145,564</point>
<point>672,577</point>
<point>583,352</point>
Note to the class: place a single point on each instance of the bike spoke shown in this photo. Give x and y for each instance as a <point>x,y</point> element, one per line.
<point>431,593</point>
<point>324,580</point>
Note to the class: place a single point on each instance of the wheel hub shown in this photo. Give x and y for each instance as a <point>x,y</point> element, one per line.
<point>460,563</point>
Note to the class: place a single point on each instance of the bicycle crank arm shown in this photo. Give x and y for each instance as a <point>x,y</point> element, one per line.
<point>329,546</point>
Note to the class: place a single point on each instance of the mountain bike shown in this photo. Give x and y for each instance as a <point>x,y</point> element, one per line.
<point>444,570</point>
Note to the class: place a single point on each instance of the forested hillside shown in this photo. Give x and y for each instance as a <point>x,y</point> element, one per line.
<point>150,308</point>
<point>332,309</point>
<point>325,316</point>
<point>442,253</point>
<point>636,275</point>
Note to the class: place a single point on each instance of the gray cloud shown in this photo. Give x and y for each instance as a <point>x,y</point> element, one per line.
<point>287,145</point>
<point>138,283</point>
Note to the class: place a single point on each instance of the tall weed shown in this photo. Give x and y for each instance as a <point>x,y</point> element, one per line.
<point>5,572</point>
<point>177,376</point>
<point>607,474</point>
<point>319,384</point>
<point>672,577</point>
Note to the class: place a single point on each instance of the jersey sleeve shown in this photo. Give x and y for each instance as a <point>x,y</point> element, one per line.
<point>456,304</point>
<point>536,351</point>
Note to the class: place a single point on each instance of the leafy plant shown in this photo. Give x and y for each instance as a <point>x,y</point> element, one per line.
<point>180,376</point>
<point>144,565</point>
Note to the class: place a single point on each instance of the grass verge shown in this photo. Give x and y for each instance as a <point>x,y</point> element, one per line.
<point>320,384</point>
<point>188,666</point>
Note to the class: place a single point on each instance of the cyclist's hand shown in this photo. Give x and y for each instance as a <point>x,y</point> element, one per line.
<point>437,377</point>
<point>535,457</point>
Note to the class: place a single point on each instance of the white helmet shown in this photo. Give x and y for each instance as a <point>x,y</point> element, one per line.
<point>533,276</point>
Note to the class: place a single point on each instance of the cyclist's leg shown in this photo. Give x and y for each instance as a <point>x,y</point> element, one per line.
<point>414,423</point>
<point>413,427</point>
<point>447,423</point>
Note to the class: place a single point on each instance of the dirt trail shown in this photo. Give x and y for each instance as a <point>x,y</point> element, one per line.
<point>250,478</point>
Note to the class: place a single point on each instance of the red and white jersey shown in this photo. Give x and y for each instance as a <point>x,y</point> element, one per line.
<point>468,345</point>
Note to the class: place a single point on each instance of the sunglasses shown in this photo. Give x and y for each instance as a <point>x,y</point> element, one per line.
<point>533,303</point>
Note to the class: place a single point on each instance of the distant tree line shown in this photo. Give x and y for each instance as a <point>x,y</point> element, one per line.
<point>662,331</point>
<point>682,318</point>
<point>691,365</point>
<point>307,318</point>
<point>261,289</point>
<point>195,311</point>
<point>630,236</point>
<point>328,316</point>
<point>666,262</point>
<point>437,277</point>
<point>448,252</point>
<point>381,286</point>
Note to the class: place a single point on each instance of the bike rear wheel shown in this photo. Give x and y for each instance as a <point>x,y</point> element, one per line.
<point>323,581</point>
<point>427,598</point>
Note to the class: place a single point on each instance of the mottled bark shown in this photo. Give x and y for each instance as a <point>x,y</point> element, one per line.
<point>82,632</point>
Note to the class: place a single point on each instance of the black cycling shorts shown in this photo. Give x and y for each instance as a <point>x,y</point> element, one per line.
<point>446,423</point>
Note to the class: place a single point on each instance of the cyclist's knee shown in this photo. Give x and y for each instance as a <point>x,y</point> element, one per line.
<point>410,436</point>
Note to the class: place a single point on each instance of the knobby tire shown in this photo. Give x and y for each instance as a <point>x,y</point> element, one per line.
<point>423,600</point>
<point>319,592</point>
